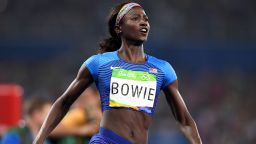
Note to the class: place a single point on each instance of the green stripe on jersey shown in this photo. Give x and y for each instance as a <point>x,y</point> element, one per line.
<point>133,75</point>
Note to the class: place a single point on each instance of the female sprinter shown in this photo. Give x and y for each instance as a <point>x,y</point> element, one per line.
<point>129,82</point>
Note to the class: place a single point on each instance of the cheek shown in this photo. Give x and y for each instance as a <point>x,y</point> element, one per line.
<point>130,29</point>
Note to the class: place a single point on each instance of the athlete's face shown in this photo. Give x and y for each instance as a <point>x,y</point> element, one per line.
<point>135,25</point>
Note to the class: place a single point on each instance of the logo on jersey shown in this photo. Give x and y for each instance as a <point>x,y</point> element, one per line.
<point>111,67</point>
<point>153,70</point>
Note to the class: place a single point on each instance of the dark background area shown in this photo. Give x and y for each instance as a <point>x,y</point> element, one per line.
<point>211,45</point>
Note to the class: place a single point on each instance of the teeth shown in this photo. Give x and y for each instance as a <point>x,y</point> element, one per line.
<point>143,30</point>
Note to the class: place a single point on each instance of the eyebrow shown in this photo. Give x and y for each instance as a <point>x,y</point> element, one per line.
<point>144,15</point>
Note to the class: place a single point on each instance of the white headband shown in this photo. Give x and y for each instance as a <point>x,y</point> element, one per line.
<point>124,10</point>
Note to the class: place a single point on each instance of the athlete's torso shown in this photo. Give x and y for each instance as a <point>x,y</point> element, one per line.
<point>129,92</point>
<point>127,85</point>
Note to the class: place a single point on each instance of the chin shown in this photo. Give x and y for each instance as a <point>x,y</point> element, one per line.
<point>139,40</point>
<point>143,39</point>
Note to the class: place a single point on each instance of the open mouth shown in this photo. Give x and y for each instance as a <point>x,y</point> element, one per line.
<point>144,30</point>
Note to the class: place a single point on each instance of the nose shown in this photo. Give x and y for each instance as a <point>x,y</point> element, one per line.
<point>144,23</point>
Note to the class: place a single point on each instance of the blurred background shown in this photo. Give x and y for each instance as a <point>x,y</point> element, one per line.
<point>211,45</point>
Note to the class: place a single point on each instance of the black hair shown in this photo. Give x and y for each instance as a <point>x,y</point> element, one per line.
<point>114,41</point>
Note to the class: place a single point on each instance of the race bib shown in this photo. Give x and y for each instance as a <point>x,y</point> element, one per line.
<point>133,89</point>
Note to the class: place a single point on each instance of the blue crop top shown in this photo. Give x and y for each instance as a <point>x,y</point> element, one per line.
<point>127,85</point>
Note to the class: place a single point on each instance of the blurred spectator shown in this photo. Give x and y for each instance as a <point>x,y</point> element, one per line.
<point>36,109</point>
<point>82,120</point>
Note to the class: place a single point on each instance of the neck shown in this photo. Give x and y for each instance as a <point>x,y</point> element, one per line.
<point>132,52</point>
<point>33,127</point>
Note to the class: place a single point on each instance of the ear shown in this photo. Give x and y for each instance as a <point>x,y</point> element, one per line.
<point>118,29</point>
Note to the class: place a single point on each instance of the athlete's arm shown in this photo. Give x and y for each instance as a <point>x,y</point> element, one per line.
<point>63,103</point>
<point>181,113</point>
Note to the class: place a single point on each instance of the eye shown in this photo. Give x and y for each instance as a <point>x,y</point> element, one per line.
<point>146,18</point>
<point>134,18</point>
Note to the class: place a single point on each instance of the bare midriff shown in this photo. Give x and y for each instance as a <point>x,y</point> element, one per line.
<point>129,124</point>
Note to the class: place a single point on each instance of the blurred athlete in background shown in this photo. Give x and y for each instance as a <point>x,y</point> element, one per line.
<point>81,122</point>
<point>35,110</point>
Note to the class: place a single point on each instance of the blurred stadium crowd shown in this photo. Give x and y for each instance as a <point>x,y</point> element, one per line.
<point>211,44</point>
